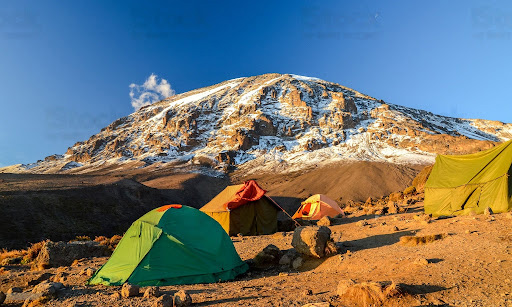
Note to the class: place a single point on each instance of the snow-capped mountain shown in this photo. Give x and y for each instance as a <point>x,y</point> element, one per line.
<point>274,122</point>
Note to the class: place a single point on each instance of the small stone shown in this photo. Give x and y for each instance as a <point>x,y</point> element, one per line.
<point>89,272</point>
<point>396,228</point>
<point>421,261</point>
<point>14,290</point>
<point>509,215</point>
<point>129,290</point>
<point>307,292</point>
<point>467,231</point>
<point>116,296</point>
<point>297,263</point>
<point>163,301</point>
<point>362,223</point>
<point>283,274</point>
<point>182,299</point>
<point>285,260</point>
<point>488,211</point>
<point>152,292</point>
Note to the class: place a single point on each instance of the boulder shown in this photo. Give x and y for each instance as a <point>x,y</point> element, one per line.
<point>343,286</point>
<point>14,290</point>
<point>129,290</point>
<point>289,257</point>
<point>392,207</point>
<point>324,221</point>
<point>56,254</point>
<point>47,288</point>
<point>182,299</point>
<point>270,255</point>
<point>39,278</point>
<point>488,211</point>
<point>396,196</point>
<point>297,263</point>
<point>152,292</point>
<point>311,240</point>
<point>163,301</point>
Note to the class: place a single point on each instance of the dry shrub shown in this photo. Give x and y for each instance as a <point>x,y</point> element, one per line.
<point>418,240</point>
<point>33,251</point>
<point>81,238</point>
<point>371,293</point>
<point>5,254</point>
<point>101,239</point>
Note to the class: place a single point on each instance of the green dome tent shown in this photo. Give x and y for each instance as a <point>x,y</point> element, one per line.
<point>172,245</point>
<point>462,184</point>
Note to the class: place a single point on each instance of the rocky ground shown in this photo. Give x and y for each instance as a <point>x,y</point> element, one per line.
<point>469,265</point>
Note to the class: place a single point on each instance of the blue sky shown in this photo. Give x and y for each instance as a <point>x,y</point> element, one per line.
<point>66,67</point>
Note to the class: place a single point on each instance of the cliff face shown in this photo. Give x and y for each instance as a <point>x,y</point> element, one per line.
<point>277,123</point>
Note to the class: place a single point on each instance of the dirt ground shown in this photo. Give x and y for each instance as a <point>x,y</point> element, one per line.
<point>472,266</point>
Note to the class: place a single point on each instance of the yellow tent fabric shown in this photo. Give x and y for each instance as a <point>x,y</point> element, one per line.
<point>253,218</point>
<point>462,184</point>
<point>316,207</point>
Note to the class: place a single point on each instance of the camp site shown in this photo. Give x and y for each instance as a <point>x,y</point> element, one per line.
<point>255,153</point>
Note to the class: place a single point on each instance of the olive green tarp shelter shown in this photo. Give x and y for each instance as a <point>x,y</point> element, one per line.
<point>172,245</point>
<point>462,184</point>
<point>244,209</point>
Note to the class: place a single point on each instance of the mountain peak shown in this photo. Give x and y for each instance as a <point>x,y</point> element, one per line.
<point>275,122</point>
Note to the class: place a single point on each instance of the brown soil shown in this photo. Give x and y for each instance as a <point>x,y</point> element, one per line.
<point>471,266</point>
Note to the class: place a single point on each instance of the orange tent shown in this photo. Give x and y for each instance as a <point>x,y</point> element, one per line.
<point>316,207</point>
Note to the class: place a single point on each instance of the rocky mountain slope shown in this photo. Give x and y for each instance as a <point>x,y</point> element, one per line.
<point>275,123</point>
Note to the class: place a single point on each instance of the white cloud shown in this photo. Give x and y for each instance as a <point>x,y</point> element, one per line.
<point>151,91</point>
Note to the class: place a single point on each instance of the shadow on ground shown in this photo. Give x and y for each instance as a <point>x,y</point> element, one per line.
<point>377,241</point>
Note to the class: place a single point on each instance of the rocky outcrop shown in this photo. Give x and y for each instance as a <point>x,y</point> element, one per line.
<point>57,254</point>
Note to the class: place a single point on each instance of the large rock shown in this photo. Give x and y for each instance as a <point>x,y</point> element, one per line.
<point>129,290</point>
<point>311,240</point>
<point>270,255</point>
<point>47,288</point>
<point>56,254</point>
<point>289,257</point>
<point>152,292</point>
<point>182,299</point>
<point>163,301</point>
